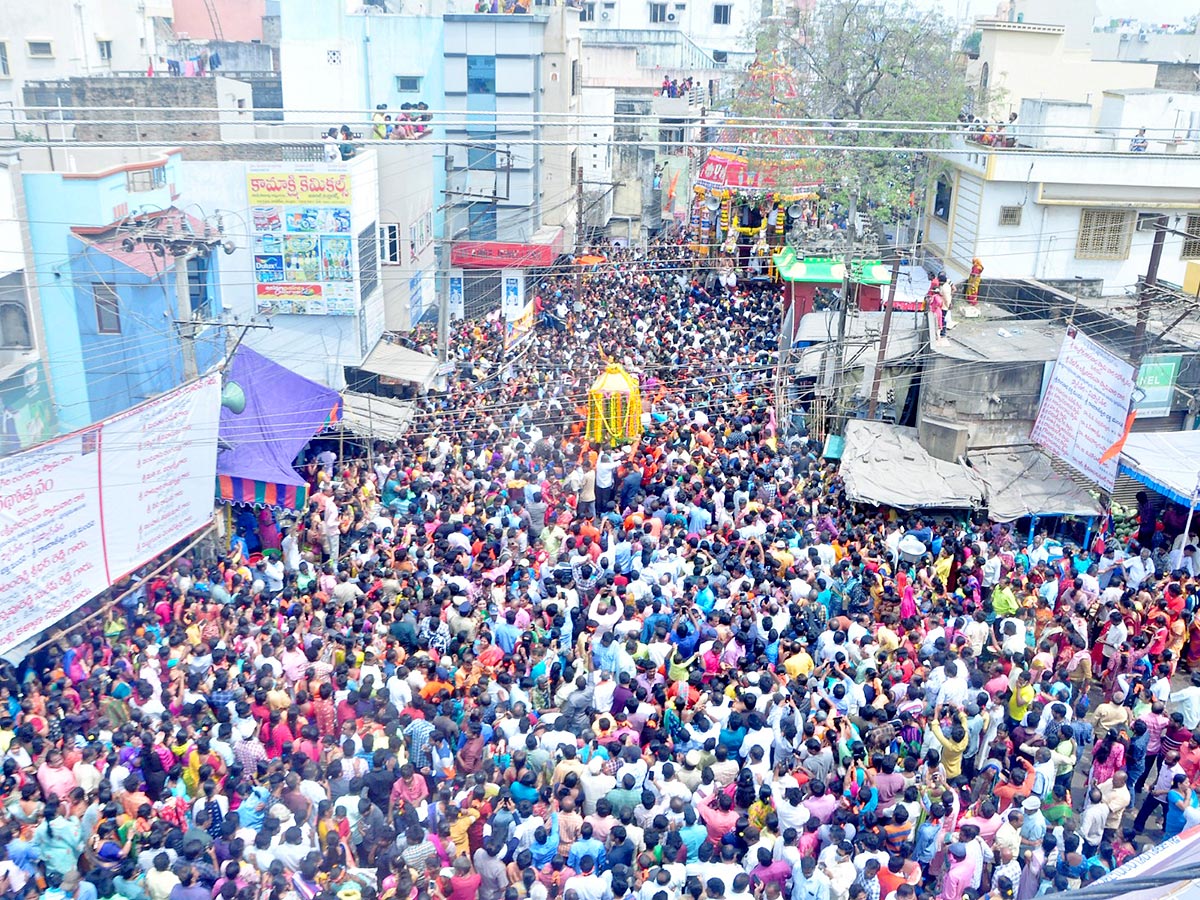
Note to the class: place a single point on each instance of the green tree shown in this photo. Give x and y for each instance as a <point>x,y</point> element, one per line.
<point>865,60</point>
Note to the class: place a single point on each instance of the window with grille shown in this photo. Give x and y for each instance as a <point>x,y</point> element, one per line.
<point>1010,215</point>
<point>1191,243</point>
<point>108,308</point>
<point>333,57</point>
<point>145,179</point>
<point>39,48</point>
<point>1104,234</point>
<point>658,13</point>
<point>722,13</point>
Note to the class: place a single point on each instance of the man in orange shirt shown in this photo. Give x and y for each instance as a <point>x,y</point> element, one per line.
<point>437,683</point>
<point>1010,788</point>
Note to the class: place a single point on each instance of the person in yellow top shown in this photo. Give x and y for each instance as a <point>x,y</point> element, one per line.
<point>799,664</point>
<point>941,568</point>
<point>461,823</point>
<point>888,640</point>
<point>1021,699</point>
<point>783,557</point>
<point>953,744</point>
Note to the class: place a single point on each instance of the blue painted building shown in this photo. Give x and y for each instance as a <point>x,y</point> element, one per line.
<point>111,248</point>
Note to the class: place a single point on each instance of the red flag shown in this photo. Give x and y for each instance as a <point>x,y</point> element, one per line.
<point>1114,451</point>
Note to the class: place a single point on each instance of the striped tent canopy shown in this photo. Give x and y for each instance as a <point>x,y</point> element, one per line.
<point>261,493</point>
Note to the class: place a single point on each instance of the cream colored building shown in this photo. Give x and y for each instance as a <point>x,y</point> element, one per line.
<point>1027,61</point>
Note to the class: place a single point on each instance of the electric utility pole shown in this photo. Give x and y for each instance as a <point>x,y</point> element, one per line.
<point>839,355</point>
<point>877,376</point>
<point>1146,295</point>
<point>578,229</point>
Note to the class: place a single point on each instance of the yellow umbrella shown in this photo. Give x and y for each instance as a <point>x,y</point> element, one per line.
<point>614,411</point>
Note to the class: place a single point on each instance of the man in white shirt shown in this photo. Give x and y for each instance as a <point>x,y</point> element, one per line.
<point>290,547</point>
<point>1115,637</point>
<point>1184,557</point>
<point>1139,569</point>
<point>1092,821</point>
<point>992,571</point>
<point>1186,702</point>
<point>272,570</point>
<point>1039,552</point>
<point>587,885</point>
<point>1110,564</point>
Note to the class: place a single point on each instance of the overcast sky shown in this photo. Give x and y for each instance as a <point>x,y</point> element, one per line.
<point>1165,11</point>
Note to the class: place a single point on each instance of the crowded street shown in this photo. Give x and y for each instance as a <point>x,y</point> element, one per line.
<point>497,660</point>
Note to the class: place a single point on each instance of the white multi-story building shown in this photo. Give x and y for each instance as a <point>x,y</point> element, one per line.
<point>597,155</point>
<point>511,83</point>
<point>53,39</point>
<point>1072,202</point>
<point>721,30</point>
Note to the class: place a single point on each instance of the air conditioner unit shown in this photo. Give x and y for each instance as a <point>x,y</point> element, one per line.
<point>670,17</point>
<point>1147,222</point>
<point>605,16</point>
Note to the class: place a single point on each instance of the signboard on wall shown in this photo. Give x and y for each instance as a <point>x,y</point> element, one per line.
<point>512,293</point>
<point>1084,408</point>
<point>456,286</point>
<point>416,302</point>
<point>80,513</point>
<point>26,414</point>
<point>1156,384</point>
<point>304,253</point>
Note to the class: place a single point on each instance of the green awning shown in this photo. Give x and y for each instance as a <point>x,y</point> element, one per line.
<point>823,270</point>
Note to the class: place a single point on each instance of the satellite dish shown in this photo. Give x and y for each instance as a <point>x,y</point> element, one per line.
<point>712,203</point>
<point>795,211</point>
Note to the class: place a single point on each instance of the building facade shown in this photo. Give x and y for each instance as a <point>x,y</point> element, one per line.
<point>26,413</point>
<point>339,56</point>
<point>1027,61</point>
<point>64,38</point>
<point>305,258</point>
<point>722,30</point>
<point>128,284</point>
<point>1058,216</point>
<point>512,82</point>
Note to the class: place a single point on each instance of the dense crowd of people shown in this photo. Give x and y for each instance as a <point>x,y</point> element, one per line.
<point>492,661</point>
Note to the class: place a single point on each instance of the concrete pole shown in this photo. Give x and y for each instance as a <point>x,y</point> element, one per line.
<point>883,337</point>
